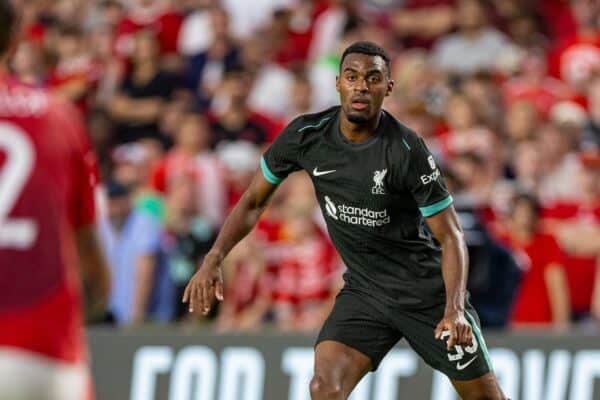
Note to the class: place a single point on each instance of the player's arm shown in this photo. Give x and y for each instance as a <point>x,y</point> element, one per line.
<point>447,230</point>
<point>207,282</point>
<point>93,265</point>
<point>123,107</point>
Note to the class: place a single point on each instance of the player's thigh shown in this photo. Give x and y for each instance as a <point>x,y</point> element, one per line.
<point>461,363</point>
<point>482,388</point>
<point>29,376</point>
<point>360,324</point>
<point>338,367</point>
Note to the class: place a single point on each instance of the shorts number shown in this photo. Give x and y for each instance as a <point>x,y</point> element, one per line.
<point>17,233</point>
<point>472,349</point>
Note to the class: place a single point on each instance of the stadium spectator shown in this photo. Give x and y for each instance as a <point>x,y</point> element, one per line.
<point>560,163</point>
<point>138,103</point>
<point>206,68</point>
<point>75,74</point>
<point>196,35</point>
<point>522,120</point>
<point>269,80</point>
<point>248,293</point>
<point>465,132</point>
<point>531,82</point>
<point>301,97</point>
<point>239,160</point>
<point>232,118</point>
<point>141,286</point>
<point>27,64</point>
<point>476,46</point>
<point>191,156</point>
<point>576,224</point>
<point>575,57</point>
<point>543,295</point>
<point>188,236</point>
<point>527,165</point>
<point>303,289</point>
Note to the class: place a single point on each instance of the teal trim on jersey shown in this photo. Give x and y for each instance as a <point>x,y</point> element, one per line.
<point>435,208</point>
<point>318,125</point>
<point>269,176</point>
<point>406,144</point>
<point>480,339</point>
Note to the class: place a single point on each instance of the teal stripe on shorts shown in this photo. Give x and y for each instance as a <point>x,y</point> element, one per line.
<point>479,337</point>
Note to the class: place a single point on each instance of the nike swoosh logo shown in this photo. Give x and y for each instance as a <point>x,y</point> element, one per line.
<point>460,366</point>
<point>319,173</point>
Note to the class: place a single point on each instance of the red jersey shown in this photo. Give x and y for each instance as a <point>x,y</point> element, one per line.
<point>532,302</point>
<point>47,179</point>
<point>581,270</point>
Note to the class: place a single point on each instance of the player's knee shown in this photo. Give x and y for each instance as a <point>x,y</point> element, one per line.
<point>322,388</point>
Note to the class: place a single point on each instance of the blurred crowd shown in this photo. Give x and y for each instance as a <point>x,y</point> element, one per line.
<point>182,96</point>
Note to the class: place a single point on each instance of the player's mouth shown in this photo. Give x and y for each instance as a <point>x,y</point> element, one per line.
<point>360,104</point>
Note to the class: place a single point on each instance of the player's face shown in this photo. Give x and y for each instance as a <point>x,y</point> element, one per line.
<point>363,84</point>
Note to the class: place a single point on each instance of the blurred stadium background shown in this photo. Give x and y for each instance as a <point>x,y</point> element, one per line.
<point>182,96</point>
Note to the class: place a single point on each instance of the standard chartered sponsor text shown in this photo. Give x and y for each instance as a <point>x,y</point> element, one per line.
<point>361,216</point>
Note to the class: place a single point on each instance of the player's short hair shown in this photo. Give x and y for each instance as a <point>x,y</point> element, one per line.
<point>8,20</point>
<point>368,48</point>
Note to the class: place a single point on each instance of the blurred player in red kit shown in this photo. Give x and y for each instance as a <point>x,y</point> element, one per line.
<point>47,215</point>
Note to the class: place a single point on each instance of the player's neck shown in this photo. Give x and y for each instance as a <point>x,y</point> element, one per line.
<point>358,132</point>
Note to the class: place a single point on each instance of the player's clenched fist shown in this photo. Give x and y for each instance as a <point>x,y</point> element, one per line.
<point>205,285</point>
<point>460,330</point>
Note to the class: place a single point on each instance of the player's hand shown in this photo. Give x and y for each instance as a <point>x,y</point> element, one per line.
<point>205,285</point>
<point>460,330</point>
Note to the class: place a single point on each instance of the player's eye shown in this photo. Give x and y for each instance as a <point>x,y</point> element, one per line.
<point>374,79</point>
<point>351,78</point>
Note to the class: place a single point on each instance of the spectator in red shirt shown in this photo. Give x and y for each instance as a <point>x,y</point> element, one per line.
<point>191,156</point>
<point>576,224</point>
<point>305,275</point>
<point>75,74</point>
<point>574,58</point>
<point>465,132</point>
<point>543,296</point>
<point>248,292</point>
<point>533,84</point>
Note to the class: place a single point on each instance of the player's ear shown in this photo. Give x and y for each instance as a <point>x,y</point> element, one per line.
<point>337,84</point>
<point>390,86</point>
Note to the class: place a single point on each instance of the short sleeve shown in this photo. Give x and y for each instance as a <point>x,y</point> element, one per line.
<point>280,159</point>
<point>425,181</point>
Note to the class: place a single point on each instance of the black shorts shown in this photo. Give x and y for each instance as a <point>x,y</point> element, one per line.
<point>361,322</point>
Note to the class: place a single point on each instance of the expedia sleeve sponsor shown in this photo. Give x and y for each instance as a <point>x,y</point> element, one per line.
<point>425,181</point>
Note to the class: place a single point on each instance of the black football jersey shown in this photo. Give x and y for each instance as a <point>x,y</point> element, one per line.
<point>374,197</point>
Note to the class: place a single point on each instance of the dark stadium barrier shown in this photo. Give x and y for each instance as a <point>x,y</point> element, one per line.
<point>179,365</point>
